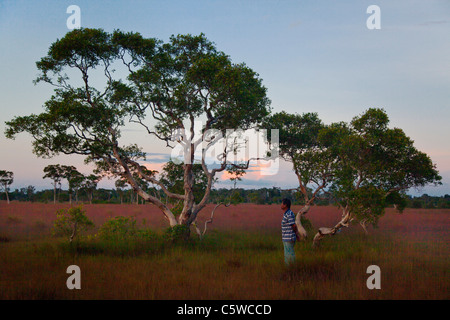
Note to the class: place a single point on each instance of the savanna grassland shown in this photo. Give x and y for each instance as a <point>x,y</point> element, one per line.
<point>241,256</point>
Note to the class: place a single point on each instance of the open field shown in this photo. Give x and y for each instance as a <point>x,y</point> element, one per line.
<point>241,257</point>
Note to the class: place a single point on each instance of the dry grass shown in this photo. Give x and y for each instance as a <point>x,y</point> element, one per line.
<point>241,258</point>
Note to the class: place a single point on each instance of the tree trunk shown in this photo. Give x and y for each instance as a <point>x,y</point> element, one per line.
<point>147,197</point>
<point>54,193</point>
<point>301,230</point>
<point>7,196</point>
<point>364,226</point>
<point>188,214</point>
<point>74,231</point>
<point>210,220</point>
<point>166,211</point>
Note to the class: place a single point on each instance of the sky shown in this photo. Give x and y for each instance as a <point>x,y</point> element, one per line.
<point>313,56</point>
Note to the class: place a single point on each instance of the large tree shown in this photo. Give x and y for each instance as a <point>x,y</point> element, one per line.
<point>375,165</point>
<point>6,179</point>
<point>186,85</point>
<point>312,159</point>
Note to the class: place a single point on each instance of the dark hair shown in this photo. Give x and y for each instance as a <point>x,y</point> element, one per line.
<point>287,202</point>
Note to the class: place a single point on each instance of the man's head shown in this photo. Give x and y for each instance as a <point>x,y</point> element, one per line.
<point>285,204</point>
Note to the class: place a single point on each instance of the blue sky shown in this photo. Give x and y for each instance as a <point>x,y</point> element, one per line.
<point>313,56</point>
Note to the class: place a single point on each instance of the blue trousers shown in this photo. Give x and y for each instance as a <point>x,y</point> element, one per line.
<point>289,253</point>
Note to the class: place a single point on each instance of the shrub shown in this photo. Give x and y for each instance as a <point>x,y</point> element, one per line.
<point>118,228</point>
<point>177,233</point>
<point>13,219</point>
<point>71,222</point>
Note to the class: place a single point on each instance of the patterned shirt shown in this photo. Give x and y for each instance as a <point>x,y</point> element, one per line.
<point>287,232</point>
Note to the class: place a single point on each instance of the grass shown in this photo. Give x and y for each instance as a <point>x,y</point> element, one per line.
<point>224,265</point>
<point>241,257</point>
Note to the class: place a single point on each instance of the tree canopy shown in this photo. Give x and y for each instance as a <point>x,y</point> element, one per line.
<point>178,84</point>
<point>375,165</point>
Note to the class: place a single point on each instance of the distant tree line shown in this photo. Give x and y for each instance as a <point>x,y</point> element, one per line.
<point>275,195</point>
<point>85,196</point>
<point>256,196</point>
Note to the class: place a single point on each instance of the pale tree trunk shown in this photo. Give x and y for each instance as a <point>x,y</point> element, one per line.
<point>363,224</point>
<point>190,209</point>
<point>308,202</point>
<point>301,230</point>
<point>6,191</point>
<point>346,218</point>
<point>188,178</point>
<point>74,232</point>
<point>54,193</point>
<point>165,210</point>
<point>210,220</point>
<point>189,213</point>
<point>59,193</point>
<point>127,174</point>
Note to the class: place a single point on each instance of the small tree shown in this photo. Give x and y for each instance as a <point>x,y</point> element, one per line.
<point>89,185</point>
<point>375,164</point>
<point>55,172</point>
<point>120,186</point>
<point>30,190</point>
<point>75,180</point>
<point>6,179</point>
<point>71,222</point>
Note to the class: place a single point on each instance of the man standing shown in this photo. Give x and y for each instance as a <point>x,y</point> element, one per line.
<point>289,231</point>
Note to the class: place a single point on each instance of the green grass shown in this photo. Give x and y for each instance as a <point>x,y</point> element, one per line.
<point>224,265</point>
